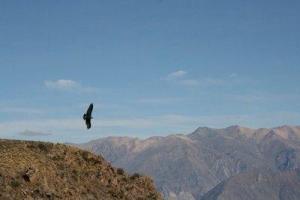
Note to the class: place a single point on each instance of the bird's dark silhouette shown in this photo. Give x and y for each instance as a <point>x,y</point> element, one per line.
<point>88,116</point>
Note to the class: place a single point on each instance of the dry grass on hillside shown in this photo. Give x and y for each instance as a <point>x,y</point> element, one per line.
<point>36,170</point>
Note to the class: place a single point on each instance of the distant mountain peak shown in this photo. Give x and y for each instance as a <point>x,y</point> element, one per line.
<point>234,127</point>
<point>204,130</point>
<point>238,128</point>
<point>234,130</point>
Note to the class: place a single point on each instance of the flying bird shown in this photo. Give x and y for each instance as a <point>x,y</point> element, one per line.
<point>88,116</point>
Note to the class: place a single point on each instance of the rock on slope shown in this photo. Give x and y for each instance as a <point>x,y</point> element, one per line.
<point>36,170</point>
<point>188,166</point>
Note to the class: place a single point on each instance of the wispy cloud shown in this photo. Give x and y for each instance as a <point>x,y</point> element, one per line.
<point>33,133</point>
<point>170,120</point>
<point>159,100</point>
<point>21,110</point>
<point>176,75</point>
<point>62,84</point>
<point>40,125</point>
<point>72,124</point>
<point>152,125</point>
<point>181,77</point>
<point>67,85</point>
<point>264,97</point>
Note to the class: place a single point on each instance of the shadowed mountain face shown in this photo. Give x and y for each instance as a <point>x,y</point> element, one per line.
<point>258,185</point>
<point>188,166</point>
<point>35,170</point>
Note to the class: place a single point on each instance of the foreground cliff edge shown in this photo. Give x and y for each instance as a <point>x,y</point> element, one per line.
<point>38,170</point>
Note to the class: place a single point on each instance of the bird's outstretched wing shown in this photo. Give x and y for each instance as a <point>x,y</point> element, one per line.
<point>89,110</point>
<point>88,116</point>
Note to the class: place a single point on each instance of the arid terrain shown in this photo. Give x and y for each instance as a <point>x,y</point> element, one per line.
<point>258,185</point>
<point>188,167</point>
<point>36,170</point>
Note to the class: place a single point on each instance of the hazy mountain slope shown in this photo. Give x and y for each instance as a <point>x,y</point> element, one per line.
<point>258,185</point>
<point>35,170</point>
<point>185,165</point>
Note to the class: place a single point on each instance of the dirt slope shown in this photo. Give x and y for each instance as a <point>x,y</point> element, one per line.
<point>36,170</point>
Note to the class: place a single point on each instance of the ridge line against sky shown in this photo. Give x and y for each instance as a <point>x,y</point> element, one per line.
<point>146,63</point>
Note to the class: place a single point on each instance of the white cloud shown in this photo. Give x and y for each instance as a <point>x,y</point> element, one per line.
<point>62,84</point>
<point>176,75</point>
<point>180,78</point>
<point>67,85</point>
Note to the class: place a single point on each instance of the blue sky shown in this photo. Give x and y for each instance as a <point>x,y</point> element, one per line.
<point>152,67</point>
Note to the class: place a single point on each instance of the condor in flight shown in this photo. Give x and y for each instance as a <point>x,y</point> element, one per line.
<point>88,116</point>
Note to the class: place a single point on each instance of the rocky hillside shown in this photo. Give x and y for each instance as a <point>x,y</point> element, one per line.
<point>188,166</point>
<point>36,170</point>
<point>258,185</point>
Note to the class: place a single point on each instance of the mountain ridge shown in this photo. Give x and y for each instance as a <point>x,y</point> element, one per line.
<point>188,166</point>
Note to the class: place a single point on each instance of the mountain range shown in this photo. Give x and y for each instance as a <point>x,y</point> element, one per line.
<point>230,163</point>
